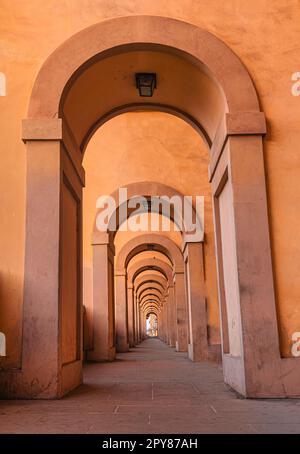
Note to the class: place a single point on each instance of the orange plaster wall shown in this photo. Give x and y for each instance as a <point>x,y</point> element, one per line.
<point>266,37</point>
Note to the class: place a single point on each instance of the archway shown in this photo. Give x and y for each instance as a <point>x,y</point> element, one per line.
<point>199,347</point>
<point>168,247</point>
<point>133,294</point>
<point>166,303</point>
<point>192,247</point>
<point>233,124</point>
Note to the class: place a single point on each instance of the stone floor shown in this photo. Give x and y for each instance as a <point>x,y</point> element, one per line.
<point>151,389</point>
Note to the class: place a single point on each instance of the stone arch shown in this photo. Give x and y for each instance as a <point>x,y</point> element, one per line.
<point>148,189</point>
<point>149,264</point>
<point>165,245</point>
<point>151,310</point>
<point>150,291</point>
<point>124,312</point>
<point>124,294</point>
<point>155,301</point>
<point>151,305</point>
<point>150,286</point>
<point>132,295</point>
<point>150,295</point>
<point>106,240</point>
<point>116,35</point>
<point>152,241</point>
<point>160,280</point>
<point>168,308</point>
<point>238,186</point>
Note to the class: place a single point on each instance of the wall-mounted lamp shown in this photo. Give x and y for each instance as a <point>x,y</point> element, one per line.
<point>145,83</point>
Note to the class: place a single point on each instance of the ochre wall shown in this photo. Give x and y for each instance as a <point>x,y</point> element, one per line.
<point>266,37</point>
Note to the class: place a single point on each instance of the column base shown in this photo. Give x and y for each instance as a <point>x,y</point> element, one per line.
<point>191,352</point>
<point>197,354</point>
<point>122,348</point>
<point>98,357</point>
<point>180,348</point>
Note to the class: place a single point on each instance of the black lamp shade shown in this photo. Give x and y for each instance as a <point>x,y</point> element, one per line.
<point>145,83</point>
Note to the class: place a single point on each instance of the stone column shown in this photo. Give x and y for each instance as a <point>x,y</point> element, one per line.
<point>163,320</point>
<point>198,346</point>
<point>136,337</point>
<point>144,330</point>
<point>165,311</point>
<point>142,325</point>
<point>41,281</point>
<point>52,310</point>
<point>172,317</point>
<point>122,343</point>
<point>104,348</point>
<point>131,315</point>
<point>168,311</point>
<point>181,313</point>
<point>159,331</point>
<point>251,355</point>
<point>138,319</point>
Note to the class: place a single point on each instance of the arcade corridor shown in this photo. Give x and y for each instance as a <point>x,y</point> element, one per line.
<point>151,389</point>
<point>149,280</point>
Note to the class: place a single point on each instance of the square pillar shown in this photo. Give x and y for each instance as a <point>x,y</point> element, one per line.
<point>181,313</point>
<point>52,311</point>
<point>135,306</point>
<point>131,315</point>
<point>41,362</point>
<point>122,343</point>
<point>195,289</point>
<point>171,317</point>
<point>138,319</point>
<point>104,346</point>
<point>251,356</point>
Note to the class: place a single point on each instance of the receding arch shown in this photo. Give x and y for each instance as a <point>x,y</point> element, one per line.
<point>150,291</point>
<point>151,298</point>
<point>150,286</point>
<point>160,282</point>
<point>149,264</point>
<point>126,303</point>
<point>148,107</point>
<point>150,295</point>
<point>151,242</point>
<point>150,304</point>
<point>149,189</point>
<point>151,310</point>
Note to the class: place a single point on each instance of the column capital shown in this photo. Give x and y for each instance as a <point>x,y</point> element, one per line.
<point>42,129</point>
<point>235,124</point>
<point>103,239</point>
<point>190,243</point>
<point>120,273</point>
<point>54,129</point>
